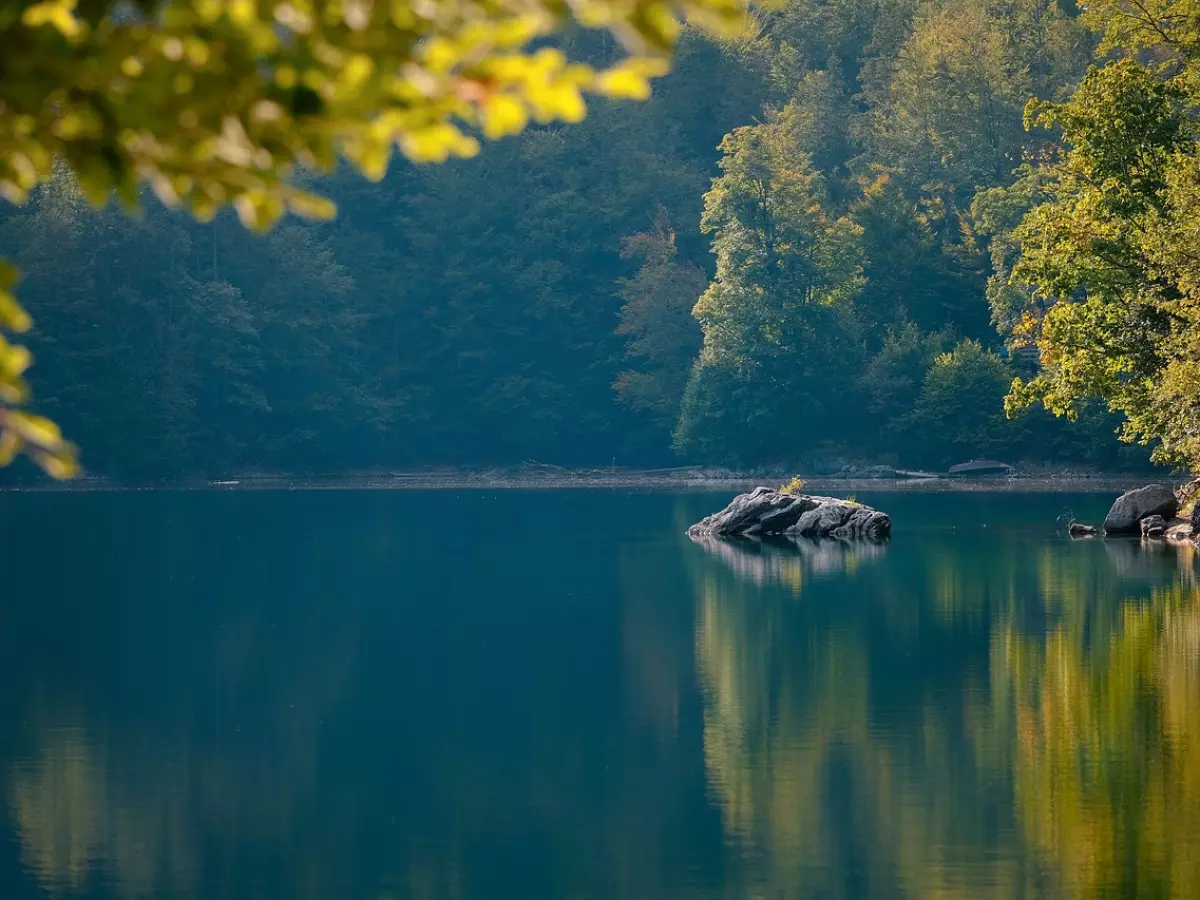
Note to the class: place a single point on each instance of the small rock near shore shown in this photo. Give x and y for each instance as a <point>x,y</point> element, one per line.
<point>1179,531</point>
<point>1153,526</point>
<point>1133,506</point>
<point>766,512</point>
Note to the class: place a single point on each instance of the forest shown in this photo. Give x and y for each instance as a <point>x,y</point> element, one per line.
<point>817,240</point>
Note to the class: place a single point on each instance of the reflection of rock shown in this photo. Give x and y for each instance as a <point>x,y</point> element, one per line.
<point>1133,506</point>
<point>767,512</point>
<point>784,560</point>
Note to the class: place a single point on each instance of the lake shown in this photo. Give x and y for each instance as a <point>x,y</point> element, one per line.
<point>526,695</point>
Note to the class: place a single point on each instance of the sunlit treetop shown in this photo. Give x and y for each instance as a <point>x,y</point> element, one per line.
<point>215,102</point>
<point>1168,29</point>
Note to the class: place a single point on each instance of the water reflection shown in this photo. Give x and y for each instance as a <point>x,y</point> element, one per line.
<point>954,715</point>
<point>1060,758</point>
<point>786,560</point>
<point>837,760</point>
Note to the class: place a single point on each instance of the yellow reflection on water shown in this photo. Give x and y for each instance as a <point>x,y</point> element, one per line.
<point>1066,765</point>
<point>76,822</point>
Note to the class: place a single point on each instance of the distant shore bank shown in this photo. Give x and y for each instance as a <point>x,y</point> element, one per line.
<point>553,478</point>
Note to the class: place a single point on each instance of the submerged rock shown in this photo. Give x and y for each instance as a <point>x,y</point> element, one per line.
<point>1133,506</point>
<point>765,512</point>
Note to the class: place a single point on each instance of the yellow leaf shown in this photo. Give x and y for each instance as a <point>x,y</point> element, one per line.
<point>58,13</point>
<point>371,157</point>
<point>310,206</point>
<point>562,101</point>
<point>436,143</point>
<point>631,78</point>
<point>62,465</point>
<point>13,390</point>
<point>12,315</point>
<point>241,12</point>
<point>36,430</point>
<point>357,70</point>
<point>14,359</point>
<point>502,115</point>
<point>623,84</point>
<point>9,445</point>
<point>94,180</point>
<point>286,77</point>
<point>197,52</point>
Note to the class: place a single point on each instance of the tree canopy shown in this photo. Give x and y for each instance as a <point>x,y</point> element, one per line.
<point>1106,269</point>
<point>212,102</point>
<point>825,237</point>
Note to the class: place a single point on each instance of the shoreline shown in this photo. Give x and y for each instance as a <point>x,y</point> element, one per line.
<point>671,479</point>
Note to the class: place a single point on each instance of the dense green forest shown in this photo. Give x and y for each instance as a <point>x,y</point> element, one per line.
<point>797,250</point>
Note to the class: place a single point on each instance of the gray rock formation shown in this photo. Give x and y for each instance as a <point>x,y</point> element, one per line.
<point>1133,506</point>
<point>1153,526</point>
<point>764,512</point>
<point>1180,531</point>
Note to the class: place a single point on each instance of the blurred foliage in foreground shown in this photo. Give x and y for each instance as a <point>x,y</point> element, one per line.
<point>219,101</point>
<point>826,237</point>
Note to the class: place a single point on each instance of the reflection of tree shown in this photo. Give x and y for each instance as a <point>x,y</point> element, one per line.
<point>198,747</point>
<point>916,728</point>
<point>825,802</point>
<point>909,728</point>
<point>149,811</point>
<point>1104,738</point>
<point>60,807</point>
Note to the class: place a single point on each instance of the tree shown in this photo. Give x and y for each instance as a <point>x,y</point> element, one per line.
<point>219,101</point>
<point>1108,260</point>
<point>662,336</point>
<point>893,377</point>
<point>960,412</point>
<point>910,274</point>
<point>779,329</point>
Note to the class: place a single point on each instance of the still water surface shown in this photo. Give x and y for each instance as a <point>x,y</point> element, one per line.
<point>538,695</point>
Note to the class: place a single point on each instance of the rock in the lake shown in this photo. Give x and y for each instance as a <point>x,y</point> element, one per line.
<point>1078,529</point>
<point>1133,506</point>
<point>1180,531</point>
<point>764,511</point>
<point>1153,526</point>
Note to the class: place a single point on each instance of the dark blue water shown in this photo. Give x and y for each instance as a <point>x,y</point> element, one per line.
<point>534,695</point>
